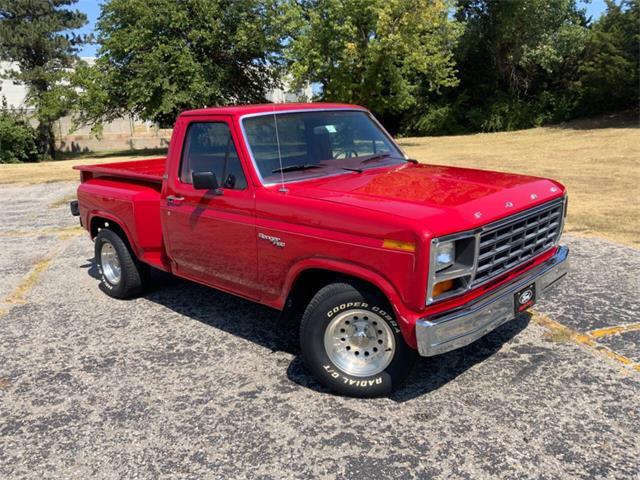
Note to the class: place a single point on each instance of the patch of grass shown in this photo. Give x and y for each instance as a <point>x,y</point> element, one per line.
<point>70,232</point>
<point>55,171</point>
<point>144,152</point>
<point>63,201</point>
<point>22,290</point>
<point>63,233</point>
<point>558,336</point>
<point>599,166</point>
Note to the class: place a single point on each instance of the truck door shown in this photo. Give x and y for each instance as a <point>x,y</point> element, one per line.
<point>210,235</point>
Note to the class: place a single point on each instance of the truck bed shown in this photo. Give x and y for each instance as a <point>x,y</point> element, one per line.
<point>127,193</point>
<point>150,170</point>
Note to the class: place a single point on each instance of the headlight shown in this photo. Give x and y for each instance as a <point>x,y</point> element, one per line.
<point>445,255</point>
<point>451,265</point>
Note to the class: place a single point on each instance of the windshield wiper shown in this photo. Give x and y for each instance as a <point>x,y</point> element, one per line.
<point>373,158</point>
<point>297,167</point>
<point>349,169</point>
<point>382,156</point>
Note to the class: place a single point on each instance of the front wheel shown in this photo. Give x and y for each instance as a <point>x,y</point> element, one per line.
<point>352,343</point>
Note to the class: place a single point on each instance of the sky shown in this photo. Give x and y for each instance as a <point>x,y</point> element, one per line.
<point>92,9</point>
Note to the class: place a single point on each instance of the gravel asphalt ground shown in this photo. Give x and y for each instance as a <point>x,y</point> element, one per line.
<point>188,382</point>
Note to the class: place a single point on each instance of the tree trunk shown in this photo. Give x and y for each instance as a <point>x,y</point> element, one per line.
<point>46,140</point>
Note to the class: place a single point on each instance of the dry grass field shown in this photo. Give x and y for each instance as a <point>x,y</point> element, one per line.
<point>57,171</point>
<point>598,161</point>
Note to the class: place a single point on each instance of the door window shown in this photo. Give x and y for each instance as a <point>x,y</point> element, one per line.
<point>209,147</point>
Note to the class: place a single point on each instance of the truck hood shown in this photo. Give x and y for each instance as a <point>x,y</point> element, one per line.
<point>441,199</point>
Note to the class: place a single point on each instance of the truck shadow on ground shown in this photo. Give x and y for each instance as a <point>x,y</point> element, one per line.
<point>259,324</point>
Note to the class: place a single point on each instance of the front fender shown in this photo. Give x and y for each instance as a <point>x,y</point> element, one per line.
<point>363,273</point>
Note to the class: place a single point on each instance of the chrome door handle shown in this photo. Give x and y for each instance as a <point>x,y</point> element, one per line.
<point>174,200</point>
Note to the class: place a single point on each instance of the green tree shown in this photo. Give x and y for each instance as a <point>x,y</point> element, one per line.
<point>379,53</point>
<point>609,73</point>
<point>34,34</point>
<point>517,45</point>
<point>159,57</point>
<point>518,60</point>
<point>17,137</point>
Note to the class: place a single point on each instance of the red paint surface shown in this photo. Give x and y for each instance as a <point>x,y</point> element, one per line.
<point>335,223</point>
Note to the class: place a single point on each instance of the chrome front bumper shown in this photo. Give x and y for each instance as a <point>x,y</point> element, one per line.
<point>454,329</point>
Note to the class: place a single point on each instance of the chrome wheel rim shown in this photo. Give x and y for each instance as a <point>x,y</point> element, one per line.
<point>110,263</point>
<point>359,342</point>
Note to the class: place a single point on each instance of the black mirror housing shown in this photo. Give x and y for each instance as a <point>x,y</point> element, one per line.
<point>205,181</point>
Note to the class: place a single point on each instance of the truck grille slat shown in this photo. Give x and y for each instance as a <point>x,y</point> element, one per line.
<point>517,241</point>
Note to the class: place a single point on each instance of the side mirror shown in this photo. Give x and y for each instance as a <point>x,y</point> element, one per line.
<point>205,181</point>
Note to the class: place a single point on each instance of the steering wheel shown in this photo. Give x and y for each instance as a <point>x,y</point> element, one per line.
<point>346,153</point>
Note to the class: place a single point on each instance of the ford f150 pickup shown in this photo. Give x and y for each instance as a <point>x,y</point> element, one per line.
<point>314,210</point>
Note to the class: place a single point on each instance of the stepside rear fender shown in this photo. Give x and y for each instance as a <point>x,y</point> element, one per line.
<point>134,207</point>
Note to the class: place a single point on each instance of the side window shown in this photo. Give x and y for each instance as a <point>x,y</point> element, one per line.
<point>208,147</point>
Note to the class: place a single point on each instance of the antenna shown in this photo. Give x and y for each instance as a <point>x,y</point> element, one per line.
<point>282,188</point>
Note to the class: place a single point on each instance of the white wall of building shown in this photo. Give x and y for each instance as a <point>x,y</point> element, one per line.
<point>14,92</point>
<point>285,95</point>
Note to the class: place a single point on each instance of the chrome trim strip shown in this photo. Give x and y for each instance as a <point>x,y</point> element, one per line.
<point>524,213</point>
<point>301,110</point>
<point>456,328</point>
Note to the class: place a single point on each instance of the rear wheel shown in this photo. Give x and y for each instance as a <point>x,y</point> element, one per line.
<point>121,274</point>
<point>352,343</point>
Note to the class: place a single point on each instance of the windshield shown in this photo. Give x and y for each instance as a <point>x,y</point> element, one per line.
<point>315,143</point>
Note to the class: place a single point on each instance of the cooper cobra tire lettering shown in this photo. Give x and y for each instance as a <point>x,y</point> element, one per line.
<point>392,322</point>
<point>387,317</point>
<point>344,306</point>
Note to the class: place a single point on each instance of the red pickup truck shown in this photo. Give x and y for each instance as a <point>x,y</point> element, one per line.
<point>314,210</point>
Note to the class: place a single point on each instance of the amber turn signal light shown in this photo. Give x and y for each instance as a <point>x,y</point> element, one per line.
<point>440,288</point>
<point>399,245</point>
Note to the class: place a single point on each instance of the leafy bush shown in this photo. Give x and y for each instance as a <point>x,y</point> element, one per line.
<point>499,113</point>
<point>436,119</point>
<point>17,139</point>
<point>555,107</point>
<point>507,113</point>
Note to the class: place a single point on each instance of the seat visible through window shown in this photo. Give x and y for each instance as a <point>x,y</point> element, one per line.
<point>209,147</point>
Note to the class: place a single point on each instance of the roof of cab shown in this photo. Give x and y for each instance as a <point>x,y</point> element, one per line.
<point>238,110</point>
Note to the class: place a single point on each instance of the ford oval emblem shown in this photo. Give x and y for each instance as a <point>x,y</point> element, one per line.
<point>525,296</point>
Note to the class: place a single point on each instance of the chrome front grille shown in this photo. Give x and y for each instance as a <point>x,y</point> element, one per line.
<point>516,240</point>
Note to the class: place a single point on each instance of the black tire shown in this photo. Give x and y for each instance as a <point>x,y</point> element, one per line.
<point>342,299</point>
<point>134,275</point>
